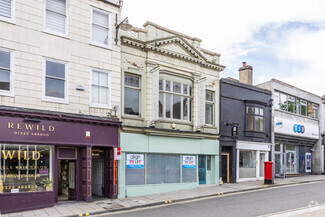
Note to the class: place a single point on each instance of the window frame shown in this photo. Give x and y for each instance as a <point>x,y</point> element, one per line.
<point>109,83</point>
<point>254,115</point>
<point>11,70</point>
<point>302,103</point>
<point>92,42</point>
<point>164,92</point>
<point>13,13</point>
<point>132,88</point>
<point>51,31</point>
<point>64,100</point>
<point>213,107</point>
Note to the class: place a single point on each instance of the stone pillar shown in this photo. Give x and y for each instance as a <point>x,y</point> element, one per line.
<point>86,174</point>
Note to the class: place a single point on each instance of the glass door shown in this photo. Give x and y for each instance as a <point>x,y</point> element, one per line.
<point>72,180</point>
<point>202,169</point>
<point>291,161</point>
<point>279,164</point>
<point>262,160</point>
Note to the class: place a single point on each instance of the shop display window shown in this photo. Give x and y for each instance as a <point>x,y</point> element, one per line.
<point>134,171</point>
<point>163,169</point>
<point>25,168</point>
<point>159,169</point>
<point>247,164</point>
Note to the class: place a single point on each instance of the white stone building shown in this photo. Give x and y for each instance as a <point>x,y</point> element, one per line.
<point>170,112</point>
<point>76,35</point>
<point>59,98</point>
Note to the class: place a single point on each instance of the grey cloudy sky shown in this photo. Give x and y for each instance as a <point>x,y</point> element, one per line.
<point>282,39</point>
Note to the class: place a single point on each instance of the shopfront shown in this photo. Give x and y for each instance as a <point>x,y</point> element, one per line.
<point>294,147</point>
<point>153,164</point>
<point>47,158</point>
<point>250,160</point>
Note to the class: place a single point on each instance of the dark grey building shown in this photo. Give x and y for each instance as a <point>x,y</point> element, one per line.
<point>245,128</point>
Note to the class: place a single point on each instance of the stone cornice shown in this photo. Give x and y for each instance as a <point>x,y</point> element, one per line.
<point>154,46</point>
<point>169,133</point>
<point>148,23</point>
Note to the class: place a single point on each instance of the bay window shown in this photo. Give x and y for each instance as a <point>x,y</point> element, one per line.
<point>254,118</point>
<point>174,100</point>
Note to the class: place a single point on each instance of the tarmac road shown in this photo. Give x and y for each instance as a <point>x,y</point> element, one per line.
<point>254,203</point>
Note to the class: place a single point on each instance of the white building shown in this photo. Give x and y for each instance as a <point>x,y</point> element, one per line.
<point>170,112</point>
<point>59,97</point>
<point>296,130</point>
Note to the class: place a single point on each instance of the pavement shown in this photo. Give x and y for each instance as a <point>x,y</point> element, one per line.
<point>72,209</point>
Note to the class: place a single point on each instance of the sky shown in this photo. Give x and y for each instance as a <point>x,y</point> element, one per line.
<point>281,39</point>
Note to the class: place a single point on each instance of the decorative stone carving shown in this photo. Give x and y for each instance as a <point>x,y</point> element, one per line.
<point>155,92</point>
<point>197,57</point>
<point>201,102</point>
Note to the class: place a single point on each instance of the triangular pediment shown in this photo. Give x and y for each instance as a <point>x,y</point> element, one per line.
<point>177,45</point>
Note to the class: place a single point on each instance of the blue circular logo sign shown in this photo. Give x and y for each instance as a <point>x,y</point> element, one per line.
<point>297,128</point>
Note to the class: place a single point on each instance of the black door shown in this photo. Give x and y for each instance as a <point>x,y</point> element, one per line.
<point>225,168</point>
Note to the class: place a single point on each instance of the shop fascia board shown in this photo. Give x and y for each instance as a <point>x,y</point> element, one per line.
<point>57,116</point>
<point>170,133</point>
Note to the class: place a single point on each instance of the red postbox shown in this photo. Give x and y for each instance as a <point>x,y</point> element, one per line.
<point>268,172</point>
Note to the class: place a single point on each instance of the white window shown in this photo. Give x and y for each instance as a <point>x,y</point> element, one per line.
<point>100,89</point>
<point>132,93</point>
<point>100,29</point>
<point>209,107</point>
<point>55,88</point>
<point>7,10</point>
<point>6,72</point>
<point>174,100</point>
<point>56,17</point>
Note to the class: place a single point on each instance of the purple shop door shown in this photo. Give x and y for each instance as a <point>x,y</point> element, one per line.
<point>111,188</point>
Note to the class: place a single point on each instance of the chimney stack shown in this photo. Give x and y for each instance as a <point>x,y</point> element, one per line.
<point>246,74</point>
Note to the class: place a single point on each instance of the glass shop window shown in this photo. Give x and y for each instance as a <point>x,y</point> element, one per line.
<point>134,170</point>
<point>24,168</point>
<point>189,173</point>
<point>163,169</point>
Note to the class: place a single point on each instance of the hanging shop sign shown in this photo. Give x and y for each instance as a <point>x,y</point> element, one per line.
<point>189,161</point>
<point>295,128</point>
<point>117,153</point>
<point>134,161</point>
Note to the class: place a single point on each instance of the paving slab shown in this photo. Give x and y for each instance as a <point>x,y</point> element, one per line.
<point>109,205</point>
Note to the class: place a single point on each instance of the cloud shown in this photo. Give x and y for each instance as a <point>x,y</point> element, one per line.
<point>280,39</point>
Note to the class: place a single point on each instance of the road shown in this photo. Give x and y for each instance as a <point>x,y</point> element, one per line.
<point>254,203</point>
